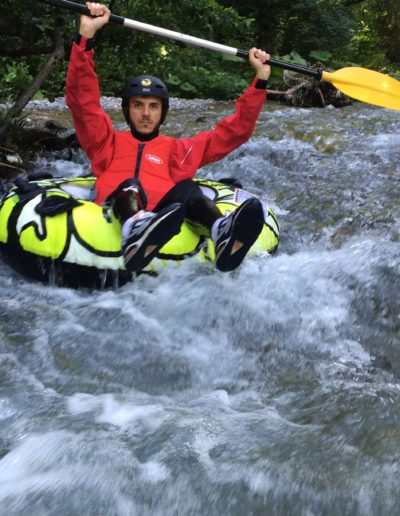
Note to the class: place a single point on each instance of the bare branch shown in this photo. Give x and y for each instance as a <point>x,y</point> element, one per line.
<point>26,96</point>
<point>26,51</point>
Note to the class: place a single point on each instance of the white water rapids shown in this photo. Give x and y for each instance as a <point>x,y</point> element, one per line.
<point>273,390</point>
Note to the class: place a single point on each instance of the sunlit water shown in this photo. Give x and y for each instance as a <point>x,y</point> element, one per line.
<point>273,390</point>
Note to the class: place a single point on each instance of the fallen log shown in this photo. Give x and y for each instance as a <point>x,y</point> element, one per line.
<point>308,92</point>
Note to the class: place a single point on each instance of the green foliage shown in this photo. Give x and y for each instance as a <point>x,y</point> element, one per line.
<point>26,39</point>
<point>285,25</point>
<point>376,40</point>
<point>321,55</point>
<point>362,31</point>
<point>294,57</point>
<point>14,77</point>
<point>315,24</point>
<point>219,85</point>
<point>122,53</point>
<point>328,31</point>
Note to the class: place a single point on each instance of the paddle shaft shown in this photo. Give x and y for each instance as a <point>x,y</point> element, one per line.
<point>184,38</point>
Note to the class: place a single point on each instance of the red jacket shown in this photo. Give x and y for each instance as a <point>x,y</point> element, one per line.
<point>161,162</point>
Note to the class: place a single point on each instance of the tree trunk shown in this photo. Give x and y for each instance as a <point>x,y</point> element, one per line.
<point>41,76</point>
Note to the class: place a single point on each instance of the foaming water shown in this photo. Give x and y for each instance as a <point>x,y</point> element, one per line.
<point>271,390</point>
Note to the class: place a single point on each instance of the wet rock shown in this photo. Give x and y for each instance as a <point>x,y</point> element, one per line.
<point>29,142</point>
<point>46,139</point>
<point>11,164</point>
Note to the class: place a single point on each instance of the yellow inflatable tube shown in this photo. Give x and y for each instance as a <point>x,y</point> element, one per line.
<point>79,244</point>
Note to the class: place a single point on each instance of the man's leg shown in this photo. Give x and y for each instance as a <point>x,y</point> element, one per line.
<point>143,233</point>
<point>233,235</point>
<point>199,209</point>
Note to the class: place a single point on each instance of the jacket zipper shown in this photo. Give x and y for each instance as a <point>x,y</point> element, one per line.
<point>138,160</point>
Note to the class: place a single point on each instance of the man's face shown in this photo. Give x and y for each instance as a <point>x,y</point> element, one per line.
<point>145,113</point>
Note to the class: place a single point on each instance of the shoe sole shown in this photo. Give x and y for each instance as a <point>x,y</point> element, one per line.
<point>156,235</point>
<point>247,225</point>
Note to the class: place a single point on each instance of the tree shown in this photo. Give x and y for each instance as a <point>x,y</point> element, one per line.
<point>282,26</point>
<point>32,44</point>
<point>378,29</point>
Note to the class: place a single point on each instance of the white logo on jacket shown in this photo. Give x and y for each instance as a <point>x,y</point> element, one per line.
<point>154,159</point>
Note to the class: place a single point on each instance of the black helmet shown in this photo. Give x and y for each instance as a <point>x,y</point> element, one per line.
<point>145,85</point>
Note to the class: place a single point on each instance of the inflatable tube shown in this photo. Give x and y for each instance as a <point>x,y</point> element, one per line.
<point>52,231</point>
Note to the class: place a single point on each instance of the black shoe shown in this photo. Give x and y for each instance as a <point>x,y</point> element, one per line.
<point>236,233</point>
<point>149,234</point>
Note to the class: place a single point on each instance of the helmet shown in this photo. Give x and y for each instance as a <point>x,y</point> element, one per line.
<point>145,85</point>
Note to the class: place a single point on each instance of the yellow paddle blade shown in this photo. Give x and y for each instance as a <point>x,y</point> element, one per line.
<point>366,85</point>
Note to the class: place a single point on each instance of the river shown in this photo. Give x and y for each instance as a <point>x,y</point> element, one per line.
<point>272,390</point>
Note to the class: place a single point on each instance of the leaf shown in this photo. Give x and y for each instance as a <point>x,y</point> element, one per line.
<point>295,58</point>
<point>188,88</point>
<point>173,80</point>
<point>38,95</point>
<point>10,75</point>
<point>321,55</point>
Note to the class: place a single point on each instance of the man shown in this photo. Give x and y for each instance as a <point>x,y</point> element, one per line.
<point>140,169</point>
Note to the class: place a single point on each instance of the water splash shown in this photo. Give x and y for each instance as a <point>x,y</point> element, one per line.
<point>271,390</point>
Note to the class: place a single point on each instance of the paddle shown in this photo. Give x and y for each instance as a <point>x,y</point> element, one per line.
<point>359,83</point>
